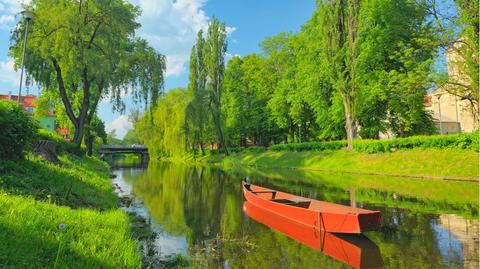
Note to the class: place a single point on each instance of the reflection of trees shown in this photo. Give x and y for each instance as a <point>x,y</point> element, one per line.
<point>161,189</point>
<point>205,205</point>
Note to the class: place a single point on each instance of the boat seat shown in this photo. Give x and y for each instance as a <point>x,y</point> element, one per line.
<point>298,202</point>
<point>274,193</point>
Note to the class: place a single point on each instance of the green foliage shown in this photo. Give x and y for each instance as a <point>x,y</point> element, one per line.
<point>97,129</point>
<point>463,48</point>
<point>247,89</point>
<point>162,129</point>
<point>311,146</point>
<point>457,141</point>
<point>82,51</point>
<point>468,141</point>
<point>355,69</point>
<point>61,146</point>
<point>215,50</point>
<point>17,130</point>
<point>131,138</point>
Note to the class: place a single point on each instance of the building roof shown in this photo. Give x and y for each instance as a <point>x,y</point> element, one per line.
<point>63,131</point>
<point>27,101</point>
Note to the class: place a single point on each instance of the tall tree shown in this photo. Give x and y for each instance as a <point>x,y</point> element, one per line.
<point>215,49</point>
<point>86,50</point>
<point>340,21</point>
<point>197,109</point>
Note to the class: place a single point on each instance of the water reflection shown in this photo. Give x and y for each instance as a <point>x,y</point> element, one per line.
<point>198,207</point>
<point>355,250</point>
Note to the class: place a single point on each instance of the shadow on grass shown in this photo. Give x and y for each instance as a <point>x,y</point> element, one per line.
<point>27,250</point>
<point>73,187</point>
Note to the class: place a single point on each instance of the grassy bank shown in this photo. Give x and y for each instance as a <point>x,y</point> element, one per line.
<point>63,216</point>
<point>446,163</point>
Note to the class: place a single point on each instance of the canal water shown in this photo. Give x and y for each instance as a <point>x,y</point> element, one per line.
<point>200,213</point>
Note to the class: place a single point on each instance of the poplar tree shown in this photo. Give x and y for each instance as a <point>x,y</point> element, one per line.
<point>215,50</point>
<point>340,55</point>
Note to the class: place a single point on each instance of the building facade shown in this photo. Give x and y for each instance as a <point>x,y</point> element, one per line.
<point>28,103</point>
<point>451,114</point>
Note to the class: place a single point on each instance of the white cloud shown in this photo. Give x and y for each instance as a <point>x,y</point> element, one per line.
<point>230,30</point>
<point>171,28</point>
<point>9,9</point>
<point>121,125</point>
<point>8,75</point>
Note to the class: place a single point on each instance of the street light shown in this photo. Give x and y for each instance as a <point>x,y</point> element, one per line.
<point>28,15</point>
<point>440,113</point>
<point>299,133</point>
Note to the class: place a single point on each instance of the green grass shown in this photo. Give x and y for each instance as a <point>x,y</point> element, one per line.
<point>36,197</point>
<point>454,163</point>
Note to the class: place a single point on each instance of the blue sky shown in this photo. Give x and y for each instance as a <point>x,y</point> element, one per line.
<point>170,27</point>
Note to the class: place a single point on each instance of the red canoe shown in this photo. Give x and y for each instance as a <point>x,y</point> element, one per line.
<point>329,217</point>
<point>355,250</point>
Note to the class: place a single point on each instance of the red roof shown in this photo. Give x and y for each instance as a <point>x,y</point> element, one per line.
<point>63,131</point>
<point>27,101</point>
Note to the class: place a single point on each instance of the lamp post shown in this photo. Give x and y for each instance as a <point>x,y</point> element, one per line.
<point>440,113</point>
<point>28,16</point>
<point>299,133</point>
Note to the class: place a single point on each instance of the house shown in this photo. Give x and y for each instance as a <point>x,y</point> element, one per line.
<point>65,133</point>
<point>28,102</point>
<point>450,113</point>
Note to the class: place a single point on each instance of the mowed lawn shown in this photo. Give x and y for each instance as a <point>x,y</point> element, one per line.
<point>449,163</point>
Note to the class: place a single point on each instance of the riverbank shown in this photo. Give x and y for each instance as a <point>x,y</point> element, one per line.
<point>63,215</point>
<point>456,164</point>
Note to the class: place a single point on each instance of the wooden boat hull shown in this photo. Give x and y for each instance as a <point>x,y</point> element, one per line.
<point>318,215</point>
<point>355,250</point>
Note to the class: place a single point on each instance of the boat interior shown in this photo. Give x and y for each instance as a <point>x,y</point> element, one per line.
<point>291,201</point>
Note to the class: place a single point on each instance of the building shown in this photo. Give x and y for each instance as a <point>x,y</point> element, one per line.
<point>463,232</point>
<point>450,113</point>
<point>28,102</point>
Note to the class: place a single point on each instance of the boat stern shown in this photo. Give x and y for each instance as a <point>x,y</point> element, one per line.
<point>369,221</point>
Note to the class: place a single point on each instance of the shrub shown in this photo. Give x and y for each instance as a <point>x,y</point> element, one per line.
<point>17,130</point>
<point>313,146</point>
<point>458,141</point>
<point>60,144</point>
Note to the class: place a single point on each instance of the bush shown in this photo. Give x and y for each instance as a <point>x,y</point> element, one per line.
<point>458,141</point>
<point>17,130</point>
<point>60,144</point>
<point>310,146</point>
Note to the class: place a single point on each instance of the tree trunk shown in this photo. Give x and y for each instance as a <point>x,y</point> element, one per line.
<point>350,124</point>
<point>78,122</point>
<point>89,142</point>
<point>218,130</point>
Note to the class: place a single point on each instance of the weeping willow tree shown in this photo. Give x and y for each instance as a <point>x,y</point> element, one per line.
<point>85,51</point>
<point>162,129</point>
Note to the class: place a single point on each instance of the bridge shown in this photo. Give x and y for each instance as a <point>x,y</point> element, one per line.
<point>106,150</point>
<point>121,149</point>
